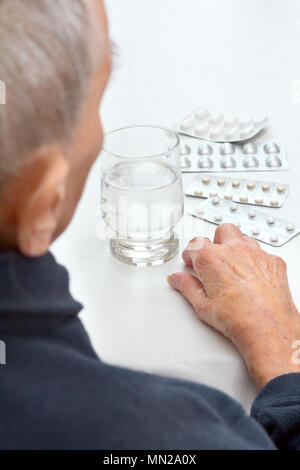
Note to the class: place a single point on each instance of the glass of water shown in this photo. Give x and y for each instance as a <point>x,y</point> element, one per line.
<point>141,193</point>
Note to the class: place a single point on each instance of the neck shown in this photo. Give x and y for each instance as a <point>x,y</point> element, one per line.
<point>8,233</point>
<point>8,219</point>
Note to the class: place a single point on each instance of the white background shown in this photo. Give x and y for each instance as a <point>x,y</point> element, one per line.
<point>235,56</point>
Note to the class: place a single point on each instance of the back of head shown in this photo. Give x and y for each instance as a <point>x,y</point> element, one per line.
<point>45,64</point>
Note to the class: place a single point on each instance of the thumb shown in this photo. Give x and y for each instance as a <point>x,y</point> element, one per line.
<point>191,288</point>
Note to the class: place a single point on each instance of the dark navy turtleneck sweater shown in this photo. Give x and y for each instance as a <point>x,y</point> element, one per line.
<point>55,393</point>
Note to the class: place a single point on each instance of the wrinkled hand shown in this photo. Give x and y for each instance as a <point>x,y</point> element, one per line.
<point>243,292</point>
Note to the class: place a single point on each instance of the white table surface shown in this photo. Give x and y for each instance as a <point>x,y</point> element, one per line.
<point>235,56</point>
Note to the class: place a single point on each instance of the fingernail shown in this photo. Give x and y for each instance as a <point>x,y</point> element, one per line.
<point>174,280</point>
<point>171,281</point>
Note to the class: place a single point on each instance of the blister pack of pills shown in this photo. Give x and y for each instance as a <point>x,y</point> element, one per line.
<point>204,124</point>
<point>256,224</point>
<point>247,191</point>
<point>199,156</point>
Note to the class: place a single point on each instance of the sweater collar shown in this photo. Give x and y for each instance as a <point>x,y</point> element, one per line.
<point>34,286</point>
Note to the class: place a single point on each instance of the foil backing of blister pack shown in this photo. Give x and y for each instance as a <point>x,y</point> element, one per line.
<point>197,156</point>
<point>263,227</point>
<point>247,191</point>
<point>217,127</point>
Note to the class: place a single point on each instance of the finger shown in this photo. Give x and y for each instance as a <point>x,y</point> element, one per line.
<point>227,233</point>
<point>194,246</point>
<point>251,241</point>
<point>191,288</point>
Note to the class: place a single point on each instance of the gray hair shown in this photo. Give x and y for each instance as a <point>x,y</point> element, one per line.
<point>46,64</point>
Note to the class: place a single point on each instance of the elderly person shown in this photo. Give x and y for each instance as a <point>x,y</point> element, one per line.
<point>55,392</point>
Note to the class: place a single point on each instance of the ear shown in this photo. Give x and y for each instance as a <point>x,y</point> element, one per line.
<point>37,220</point>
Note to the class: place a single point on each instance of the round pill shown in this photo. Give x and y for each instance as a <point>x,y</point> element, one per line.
<point>251,184</point>
<point>205,149</point>
<point>227,149</point>
<point>290,228</point>
<point>198,192</point>
<point>185,149</point>
<point>243,198</point>
<point>271,147</point>
<point>274,202</point>
<point>235,183</point>
<point>227,162</point>
<point>218,218</point>
<point>221,181</point>
<point>265,187</point>
<point>281,188</point>
<point>270,220</point>
<point>255,231</point>
<point>228,197</point>
<point>274,239</point>
<point>250,149</point>
<point>205,162</point>
<point>233,207</point>
<point>250,162</point>
<point>273,161</point>
<point>215,201</point>
<point>185,162</point>
<point>213,193</point>
<point>259,200</point>
<point>251,214</point>
<point>206,180</point>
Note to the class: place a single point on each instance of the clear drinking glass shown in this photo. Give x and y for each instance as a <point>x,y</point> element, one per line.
<point>142,194</point>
